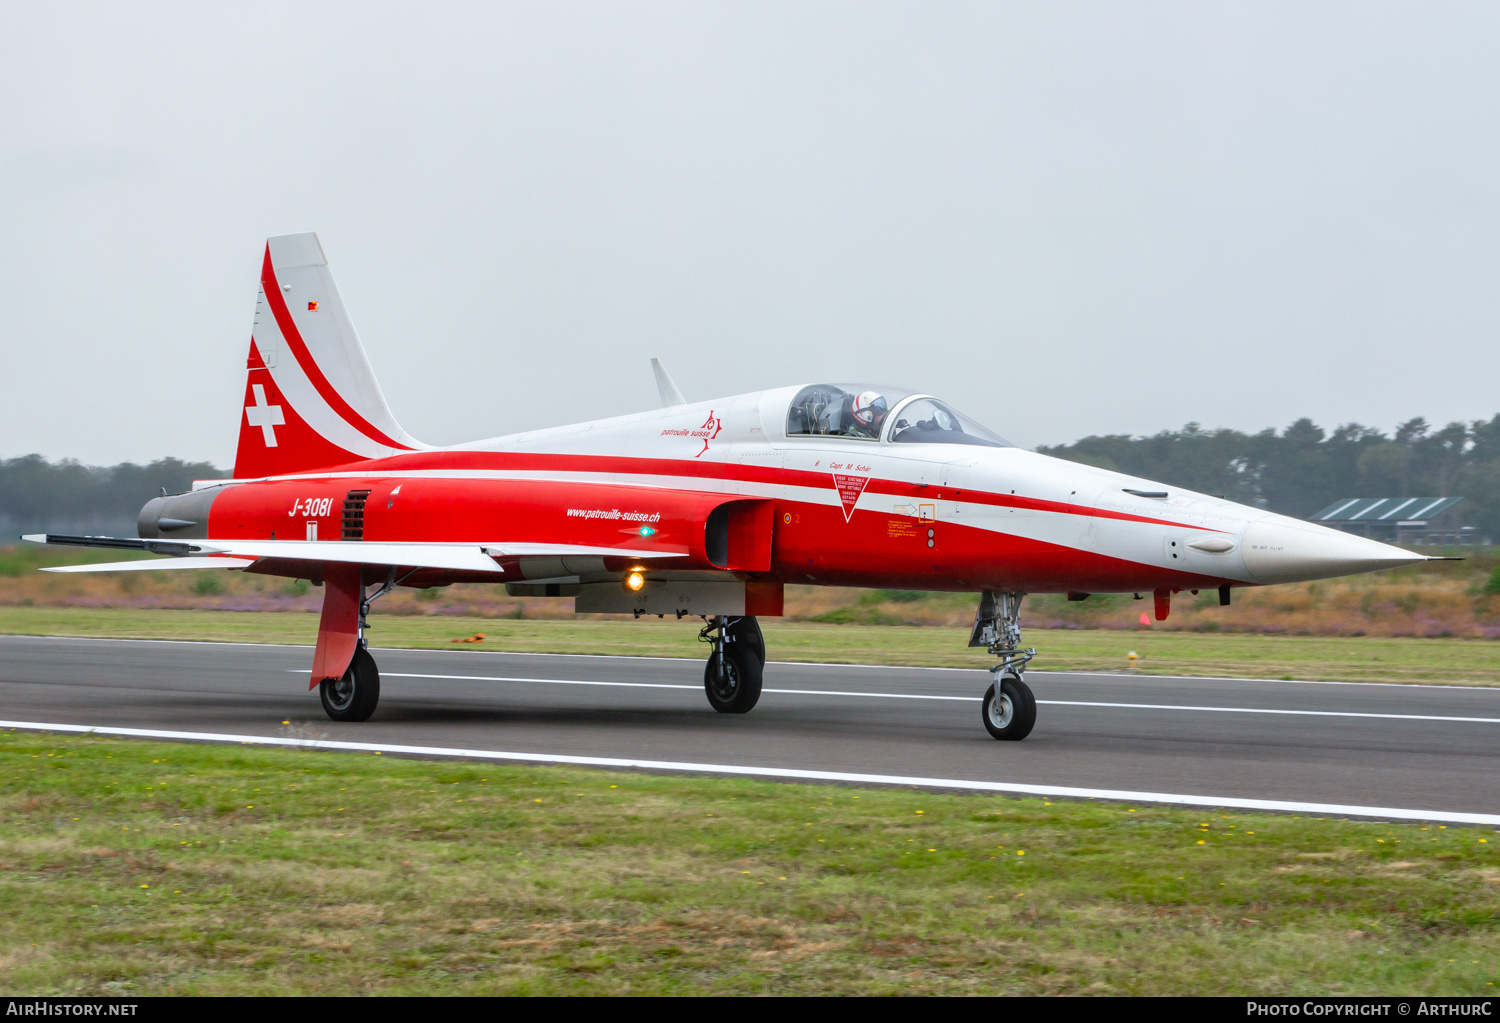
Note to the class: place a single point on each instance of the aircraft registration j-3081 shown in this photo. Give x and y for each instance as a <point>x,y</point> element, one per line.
<point>705,509</point>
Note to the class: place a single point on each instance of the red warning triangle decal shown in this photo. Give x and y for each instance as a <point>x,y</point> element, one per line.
<point>849,488</point>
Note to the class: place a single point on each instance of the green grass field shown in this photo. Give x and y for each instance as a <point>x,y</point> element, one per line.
<point>147,868</point>
<point>1239,655</point>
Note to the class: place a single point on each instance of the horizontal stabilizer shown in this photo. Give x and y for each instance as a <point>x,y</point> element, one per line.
<point>156,565</point>
<point>176,548</point>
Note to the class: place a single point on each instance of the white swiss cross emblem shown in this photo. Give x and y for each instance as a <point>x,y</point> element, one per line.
<point>267,417</point>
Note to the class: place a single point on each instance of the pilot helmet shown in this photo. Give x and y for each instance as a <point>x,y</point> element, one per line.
<point>869,408</point>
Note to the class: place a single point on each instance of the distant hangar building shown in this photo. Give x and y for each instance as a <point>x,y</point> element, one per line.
<point>1409,521</point>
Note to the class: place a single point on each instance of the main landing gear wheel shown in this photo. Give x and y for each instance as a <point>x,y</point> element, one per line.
<point>737,690</point>
<point>732,676</point>
<point>1009,713</point>
<point>747,631</point>
<point>353,697</point>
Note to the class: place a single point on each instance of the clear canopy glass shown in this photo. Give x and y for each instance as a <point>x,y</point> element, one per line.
<point>929,421</point>
<point>868,411</point>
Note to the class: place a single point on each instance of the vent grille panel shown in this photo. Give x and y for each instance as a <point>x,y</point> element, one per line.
<point>354,514</point>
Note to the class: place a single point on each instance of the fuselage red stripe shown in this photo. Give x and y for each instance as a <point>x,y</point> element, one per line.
<point>310,365</point>
<point>480,461</point>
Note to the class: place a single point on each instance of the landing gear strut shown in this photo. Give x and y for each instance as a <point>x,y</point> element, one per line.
<point>1009,709</point>
<point>354,696</point>
<point>732,676</point>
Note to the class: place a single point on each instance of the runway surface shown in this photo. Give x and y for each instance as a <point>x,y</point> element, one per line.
<point>1427,748</point>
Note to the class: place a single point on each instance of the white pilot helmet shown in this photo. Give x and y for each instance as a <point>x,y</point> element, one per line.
<point>869,406</point>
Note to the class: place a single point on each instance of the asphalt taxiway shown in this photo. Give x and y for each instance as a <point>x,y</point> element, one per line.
<point>1387,748</point>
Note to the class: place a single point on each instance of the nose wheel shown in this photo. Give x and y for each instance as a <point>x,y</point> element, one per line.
<point>1009,708</point>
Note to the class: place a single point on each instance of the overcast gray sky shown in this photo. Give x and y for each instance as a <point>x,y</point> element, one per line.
<point>1066,218</point>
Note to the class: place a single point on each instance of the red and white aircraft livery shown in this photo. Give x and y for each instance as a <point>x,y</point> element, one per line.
<point>696,508</point>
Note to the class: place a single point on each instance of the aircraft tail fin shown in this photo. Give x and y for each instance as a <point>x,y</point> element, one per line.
<point>311,398</point>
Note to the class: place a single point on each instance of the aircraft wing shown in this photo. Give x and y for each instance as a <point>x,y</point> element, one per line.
<point>457,557</point>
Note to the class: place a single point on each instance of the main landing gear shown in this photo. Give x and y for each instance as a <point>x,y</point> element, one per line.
<point>732,676</point>
<point>354,696</point>
<point>1009,708</point>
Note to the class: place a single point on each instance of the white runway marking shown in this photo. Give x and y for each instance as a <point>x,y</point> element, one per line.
<point>657,685</point>
<point>1119,676</point>
<point>962,699</point>
<point>745,770</point>
<point>513,678</point>
<point>1264,710</point>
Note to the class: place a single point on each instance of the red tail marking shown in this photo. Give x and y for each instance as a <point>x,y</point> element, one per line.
<point>297,446</point>
<point>308,363</point>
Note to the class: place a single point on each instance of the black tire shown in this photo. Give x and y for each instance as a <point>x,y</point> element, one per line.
<point>739,690</point>
<point>353,697</point>
<point>1015,714</point>
<point>747,631</point>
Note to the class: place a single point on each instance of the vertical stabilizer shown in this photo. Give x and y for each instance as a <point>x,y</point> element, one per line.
<point>311,399</point>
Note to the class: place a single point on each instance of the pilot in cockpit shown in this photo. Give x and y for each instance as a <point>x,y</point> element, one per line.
<point>868,413</point>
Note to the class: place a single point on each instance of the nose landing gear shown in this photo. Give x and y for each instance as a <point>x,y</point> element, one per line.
<point>1009,708</point>
<point>732,676</point>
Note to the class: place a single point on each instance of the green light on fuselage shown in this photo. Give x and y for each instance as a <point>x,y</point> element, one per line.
<point>647,531</point>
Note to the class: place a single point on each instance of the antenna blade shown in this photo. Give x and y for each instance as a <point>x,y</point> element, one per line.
<point>670,395</point>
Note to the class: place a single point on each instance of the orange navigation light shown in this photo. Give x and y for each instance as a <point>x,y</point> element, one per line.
<point>635,580</point>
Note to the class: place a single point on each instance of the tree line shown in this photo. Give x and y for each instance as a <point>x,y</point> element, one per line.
<point>1303,469</point>
<point>1296,472</point>
<point>38,496</point>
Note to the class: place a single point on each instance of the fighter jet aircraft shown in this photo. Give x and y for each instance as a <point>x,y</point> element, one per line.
<point>700,509</point>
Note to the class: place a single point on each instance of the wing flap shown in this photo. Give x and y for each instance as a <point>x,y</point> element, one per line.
<point>575,550</point>
<point>455,557</point>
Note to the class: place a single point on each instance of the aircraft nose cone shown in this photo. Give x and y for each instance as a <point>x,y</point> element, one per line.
<point>1278,549</point>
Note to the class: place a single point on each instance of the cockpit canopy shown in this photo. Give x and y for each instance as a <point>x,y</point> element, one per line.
<point>871,412</point>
